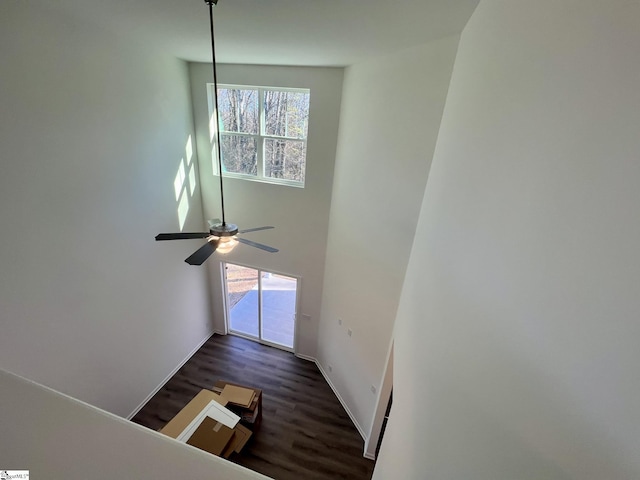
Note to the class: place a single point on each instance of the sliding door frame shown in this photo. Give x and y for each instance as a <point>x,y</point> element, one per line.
<point>259,339</point>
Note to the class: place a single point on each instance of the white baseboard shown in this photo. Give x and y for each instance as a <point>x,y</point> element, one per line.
<point>307,358</point>
<point>342,402</point>
<point>369,456</point>
<point>335,391</point>
<point>168,377</point>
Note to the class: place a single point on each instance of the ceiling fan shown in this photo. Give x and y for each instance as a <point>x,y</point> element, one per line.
<point>222,236</point>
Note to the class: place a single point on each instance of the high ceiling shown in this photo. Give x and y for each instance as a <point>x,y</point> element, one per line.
<point>276,32</point>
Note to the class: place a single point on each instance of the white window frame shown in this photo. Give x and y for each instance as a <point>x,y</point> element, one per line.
<point>260,176</point>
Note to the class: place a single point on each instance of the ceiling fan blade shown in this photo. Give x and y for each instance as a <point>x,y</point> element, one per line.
<point>257,245</point>
<point>199,256</point>
<point>214,221</point>
<point>181,236</point>
<point>254,229</point>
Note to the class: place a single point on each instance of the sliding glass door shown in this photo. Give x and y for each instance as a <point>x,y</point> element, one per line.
<point>242,300</point>
<point>261,305</point>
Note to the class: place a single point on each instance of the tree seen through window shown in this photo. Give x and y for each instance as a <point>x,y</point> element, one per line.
<point>263,132</point>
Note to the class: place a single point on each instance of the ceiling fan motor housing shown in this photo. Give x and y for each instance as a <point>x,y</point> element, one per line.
<point>223,229</point>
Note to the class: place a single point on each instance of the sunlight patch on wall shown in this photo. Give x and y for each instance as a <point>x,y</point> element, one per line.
<point>180,187</point>
<point>178,183</point>
<point>214,159</point>
<point>183,210</point>
<point>212,126</point>
<point>189,150</point>
<point>192,179</point>
<point>184,184</point>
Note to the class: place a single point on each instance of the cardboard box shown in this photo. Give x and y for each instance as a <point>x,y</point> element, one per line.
<point>211,435</point>
<point>250,415</point>
<point>184,417</point>
<point>240,396</point>
<point>241,435</point>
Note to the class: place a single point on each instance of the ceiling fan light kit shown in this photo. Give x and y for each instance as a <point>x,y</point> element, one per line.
<point>222,237</point>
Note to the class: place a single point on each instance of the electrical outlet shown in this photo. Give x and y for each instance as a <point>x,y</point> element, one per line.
<point>330,368</point>
<point>339,321</point>
<point>373,389</point>
<point>349,332</point>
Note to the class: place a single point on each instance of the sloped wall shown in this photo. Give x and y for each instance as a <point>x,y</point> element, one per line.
<point>516,339</point>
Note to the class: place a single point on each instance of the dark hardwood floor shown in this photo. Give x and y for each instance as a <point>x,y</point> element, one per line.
<point>305,434</point>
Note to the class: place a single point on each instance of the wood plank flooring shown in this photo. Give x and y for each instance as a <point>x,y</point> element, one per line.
<point>305,433</point>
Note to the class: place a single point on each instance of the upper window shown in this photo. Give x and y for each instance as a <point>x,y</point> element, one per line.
<point>263,133</point>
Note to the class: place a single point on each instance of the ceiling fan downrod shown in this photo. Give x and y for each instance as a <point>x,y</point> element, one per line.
<point>215,108</point>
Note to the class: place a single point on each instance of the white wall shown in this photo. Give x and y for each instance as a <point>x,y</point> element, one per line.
<point>91,134</point>
<point>300,215</point>
<point>56,437</point>
<point>391,109</point>
<point>516,343</point>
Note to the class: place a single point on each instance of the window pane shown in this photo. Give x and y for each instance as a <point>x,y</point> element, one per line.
<point>239,154</point>
<point>278,294</point>
<point>238,110</point>
<point>242,299</point>
<point>286,113</point>
<point>284,159</point>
